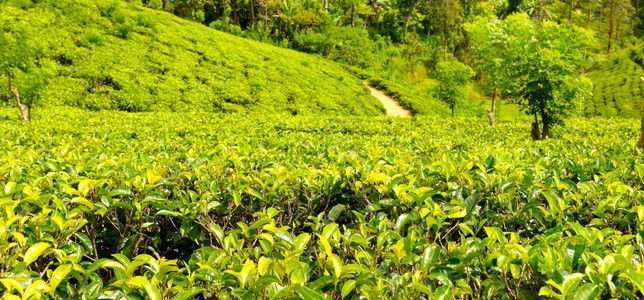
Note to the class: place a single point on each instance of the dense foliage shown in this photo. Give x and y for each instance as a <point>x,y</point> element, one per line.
<point>162,205</point>
<point>454,76</point>
<point>539,65</point>
<point>116,55</point>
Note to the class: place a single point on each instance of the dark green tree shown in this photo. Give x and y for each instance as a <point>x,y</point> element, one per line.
<point>453,76</point>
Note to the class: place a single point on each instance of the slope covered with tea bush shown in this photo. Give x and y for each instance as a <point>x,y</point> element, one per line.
<point>618,85</point>
<point>204,205</point>
<point>119,55</point>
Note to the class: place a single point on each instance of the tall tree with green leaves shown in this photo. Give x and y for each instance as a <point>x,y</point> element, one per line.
<point>454,76</point>
<point>487,44</point>
<point>541,63</point>
<point>17,64</point>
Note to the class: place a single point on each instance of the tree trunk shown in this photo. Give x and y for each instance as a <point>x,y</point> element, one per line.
<point>601,18</point>
<point>610,24</point>
<point>166,4</point>
<point>572,7</point>
<point>265,15</point>
<point>589,14</point>
<point>492,111</point>
<point>452,108</point>
<point>446,31</point>
<point>545,119</point>
<point>25,112</point>
<point>536,135</point>
<point>636,22</point>
<point>353,17</point>
<point>588,17</point>
<point>252,13</point>
<point>326,6</point>
<point>640,143</point>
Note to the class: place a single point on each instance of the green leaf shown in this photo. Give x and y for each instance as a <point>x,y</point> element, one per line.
<point>470,203</point>
<point>9,283</point>
<point>322,282</point>
<point>637,279</point>
<point>337,265</point>
<point>218,232</point>
<point>276,291</point>
<point>151,290</point>
<point>168,213</point>
<point>58,275</point>
<point>106,263</point>
<point>546,291</point>
<point>121,192</point>
<point>570,283</point>
<point>443,293</point>
<point>85,241</point>
<point>347,288</point>
<point>421,288</point>
<point>93,290</point>
<point>430,256</point>
<point>259,223</point>
<point>34,252</point>
<point>579,250</point>
<point>285,236</point>
<point>587,291</point>
<point>335,212</point>
<point>189,293</point>
<point>307,293</point>
<point>401,222</point>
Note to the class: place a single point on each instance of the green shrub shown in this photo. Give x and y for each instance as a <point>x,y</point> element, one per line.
<point>145,21</point>
<point>122,30</point>
<point>94,38</point>
<point>197,205</point>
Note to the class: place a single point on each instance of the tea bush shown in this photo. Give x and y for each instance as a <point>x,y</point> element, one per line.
<point>180,205</point>
<point>122,56</point>
<point>618,85</point>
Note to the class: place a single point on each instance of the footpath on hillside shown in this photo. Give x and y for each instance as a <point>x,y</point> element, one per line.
<point>392,106</point>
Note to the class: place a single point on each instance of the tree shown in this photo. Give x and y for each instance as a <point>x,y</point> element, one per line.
<point>619,15</point>
<point>540,65</point>
<point>511,7</point>
<point>17,64</point>
<point>485,33</point>
<point>539,10</point>
<point>454,76</point>
<point>640,142</point>
<point>411,51</point>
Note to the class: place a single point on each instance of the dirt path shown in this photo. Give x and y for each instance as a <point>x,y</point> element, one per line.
<point>392,106</point>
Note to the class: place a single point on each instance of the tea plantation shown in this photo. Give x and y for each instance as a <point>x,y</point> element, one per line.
<point>618,85</point>
<point>107,205</point>
<point>118,55</point>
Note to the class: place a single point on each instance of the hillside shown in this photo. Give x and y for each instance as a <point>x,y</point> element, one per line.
<point>618,85</point>
<point>118,55</point>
